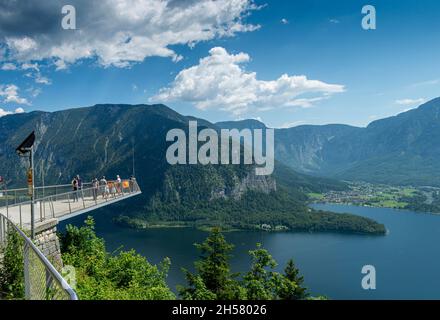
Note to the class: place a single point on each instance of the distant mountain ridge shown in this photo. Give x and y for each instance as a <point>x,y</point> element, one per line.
<point>403,149</point>
<point>241,124</point>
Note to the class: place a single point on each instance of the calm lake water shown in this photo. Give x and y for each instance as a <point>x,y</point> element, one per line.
<point>407,260</point>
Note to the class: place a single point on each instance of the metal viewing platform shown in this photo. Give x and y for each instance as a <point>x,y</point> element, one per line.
<point>41,279</point>
<point>61,203</point>
<point>37,211</point>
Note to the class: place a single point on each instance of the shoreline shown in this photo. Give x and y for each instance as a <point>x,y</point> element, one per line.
<point>136,224</point>
<point>377,207</point>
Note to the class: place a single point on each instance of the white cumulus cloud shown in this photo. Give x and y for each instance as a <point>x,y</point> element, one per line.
<point>9,67</point>
<point>288,125</point>
<point>42,80</point>
<point>410,102</point>
<point>9,94</point>
<point>116,32</point>
<point>220,81</point>
<point>5,112</point>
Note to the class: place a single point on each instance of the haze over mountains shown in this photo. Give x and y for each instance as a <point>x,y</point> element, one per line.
<point>403,149</point>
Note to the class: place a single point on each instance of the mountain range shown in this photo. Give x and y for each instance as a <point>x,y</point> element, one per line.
<point>400,150</point>
<point>100,140</point>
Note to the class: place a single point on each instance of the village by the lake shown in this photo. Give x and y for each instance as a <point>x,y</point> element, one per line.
<point>415,198</point>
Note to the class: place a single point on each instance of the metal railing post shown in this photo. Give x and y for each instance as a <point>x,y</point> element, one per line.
<point>21,221</point>
<point>7,203</point>
<point>82,197</point>
<point>53,209</point>
<point>32,193</point>
<point>1,230</point>
<point>68,200</point>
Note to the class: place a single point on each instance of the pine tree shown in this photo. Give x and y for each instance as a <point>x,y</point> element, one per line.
<point>291,288</point>
<point>261,282</point>
<point>213,279</point>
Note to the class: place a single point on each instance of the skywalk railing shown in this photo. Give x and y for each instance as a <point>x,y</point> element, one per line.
<point>34,277</point>
<point>66,204</point>
<point>10,197</point>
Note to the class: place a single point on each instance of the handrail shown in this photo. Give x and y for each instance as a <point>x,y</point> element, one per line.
<point>58,194</point>
<point>48,266</point>
<point>42,187</point>
<point>70,192</point>
<point>52,195</point>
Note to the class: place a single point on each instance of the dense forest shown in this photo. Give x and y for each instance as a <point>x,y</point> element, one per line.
<point>273,211</point>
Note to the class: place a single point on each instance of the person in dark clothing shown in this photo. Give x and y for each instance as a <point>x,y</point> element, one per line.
<point>95,186</point>
<point>75,189</point>
<point>79,181</point>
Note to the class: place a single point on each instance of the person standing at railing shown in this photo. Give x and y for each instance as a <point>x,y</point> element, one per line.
<point>95,186</point>
<point>112,188</point>
<point>118,184</point>
<point>132,182</point>
<point>104,187</point>
<point>75,189</point>
<point>80,185</point>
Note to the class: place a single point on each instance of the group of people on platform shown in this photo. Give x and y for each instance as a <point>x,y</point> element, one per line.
<point>101,187</point>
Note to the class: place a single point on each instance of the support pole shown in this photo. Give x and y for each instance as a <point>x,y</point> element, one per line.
<point>32,192</point>
<point>25,148</point>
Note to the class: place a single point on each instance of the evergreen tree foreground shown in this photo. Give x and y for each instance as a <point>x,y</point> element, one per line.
<point>213,279</point>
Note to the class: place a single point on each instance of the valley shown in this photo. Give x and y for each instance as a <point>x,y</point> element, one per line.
<point>415,198</point>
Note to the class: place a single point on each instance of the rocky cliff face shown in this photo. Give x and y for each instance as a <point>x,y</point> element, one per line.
<point>252,182</point>
<point>187,184</point>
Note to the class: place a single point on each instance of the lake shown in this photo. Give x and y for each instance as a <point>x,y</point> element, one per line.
<point>407,260</point>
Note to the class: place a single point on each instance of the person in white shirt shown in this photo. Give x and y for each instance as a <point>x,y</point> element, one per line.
<point>118,184</point>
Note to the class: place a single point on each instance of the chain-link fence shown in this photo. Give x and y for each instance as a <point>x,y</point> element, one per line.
<point>25,273</point>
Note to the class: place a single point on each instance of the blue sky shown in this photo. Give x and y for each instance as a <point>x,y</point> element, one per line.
<point>362,75</point>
